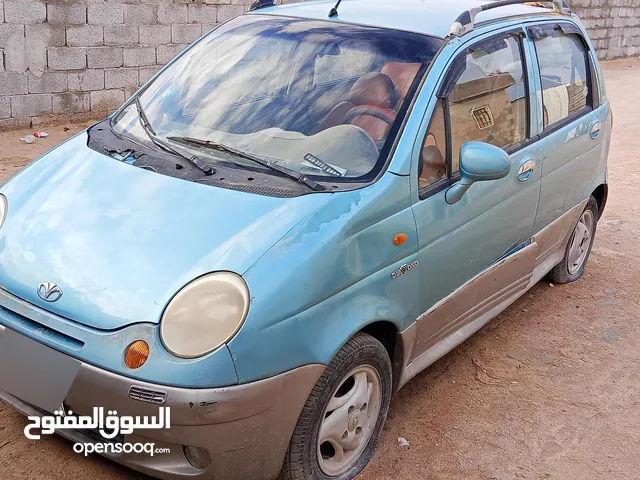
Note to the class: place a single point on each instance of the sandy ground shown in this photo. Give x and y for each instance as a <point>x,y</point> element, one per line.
<point>548,390</point>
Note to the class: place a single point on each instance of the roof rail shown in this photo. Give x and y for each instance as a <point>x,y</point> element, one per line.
<point>258,4</point>
<point>465,22</point>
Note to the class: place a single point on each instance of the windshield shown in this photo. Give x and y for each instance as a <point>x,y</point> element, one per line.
<point>319,98</point>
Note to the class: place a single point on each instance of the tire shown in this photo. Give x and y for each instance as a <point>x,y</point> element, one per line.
<point>571,268</point>
<point>363,358</point>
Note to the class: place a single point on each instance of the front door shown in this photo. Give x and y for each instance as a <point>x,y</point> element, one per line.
<point>484,98</point>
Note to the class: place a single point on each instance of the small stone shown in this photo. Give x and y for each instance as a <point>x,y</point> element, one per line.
<point>403,442</point>
<point>551,285</point>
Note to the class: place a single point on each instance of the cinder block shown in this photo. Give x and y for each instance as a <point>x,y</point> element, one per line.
<point>31,105</point>
<point>1,60</point>
<point>227,12</point>
<point>7,31</point>
<point>1,12</point>
<point>105,14</point>
<point>165,53</point>
<point>13,84</point>
<point>73,102</point>
<point>139,56</point>
<point>155,34</point>
<point>49,82</point>
<point>121,78</point>
<point>107,100</point>
<point>140,14</point>
<point>129,91</point>
<point>104,57</point>
<point>146,73</point>
<point>67,58</point>
<point>203,14</point>
<point>121,35</point>
<point>207,28</point>
<point>54,35</point>
<point>85,36</point>
<point>67,14</point>
<point>172,13</point>
<point>86,80</point>
<point>5,107</point>
<point>25,12</point>
<point>185,33</point>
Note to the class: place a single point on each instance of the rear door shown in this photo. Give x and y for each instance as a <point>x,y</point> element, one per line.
<point>569,128</point>
<point>484,97</point>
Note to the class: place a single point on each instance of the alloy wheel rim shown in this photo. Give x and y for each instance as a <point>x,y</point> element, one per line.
<point>580,242</point>
<point>349,421</point>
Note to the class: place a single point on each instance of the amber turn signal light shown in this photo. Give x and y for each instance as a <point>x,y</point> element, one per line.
<point>400,238</point>
<point>136,354</point>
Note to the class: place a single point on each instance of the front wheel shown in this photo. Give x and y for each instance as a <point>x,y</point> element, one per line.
<point>578,249</point>
<point>339,427</point>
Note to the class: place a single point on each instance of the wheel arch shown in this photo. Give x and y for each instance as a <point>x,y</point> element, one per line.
<point>601,193</point>
<point>388,335</point>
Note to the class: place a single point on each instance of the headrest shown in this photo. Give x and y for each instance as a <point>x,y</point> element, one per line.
<point>402,75</point>
<point>375,89</point>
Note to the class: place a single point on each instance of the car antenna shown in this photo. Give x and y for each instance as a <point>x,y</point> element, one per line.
<point>334,10</point>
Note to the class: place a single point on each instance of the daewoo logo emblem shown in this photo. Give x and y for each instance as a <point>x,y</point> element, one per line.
<point>49,292</point>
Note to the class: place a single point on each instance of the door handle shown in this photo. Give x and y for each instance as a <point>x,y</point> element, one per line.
<point>594,130</point>
<point>525,171</point>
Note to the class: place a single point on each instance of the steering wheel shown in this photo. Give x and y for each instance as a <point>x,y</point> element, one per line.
<point>371,111</point>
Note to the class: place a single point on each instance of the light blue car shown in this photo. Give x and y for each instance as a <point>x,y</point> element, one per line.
<point>306,208</point>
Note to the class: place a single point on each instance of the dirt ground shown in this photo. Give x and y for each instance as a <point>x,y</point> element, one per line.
<point>548,390</point>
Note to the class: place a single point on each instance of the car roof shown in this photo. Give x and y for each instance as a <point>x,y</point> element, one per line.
<point>433,17</point>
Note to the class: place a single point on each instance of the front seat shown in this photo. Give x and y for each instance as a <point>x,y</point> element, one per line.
<point>369,105</point>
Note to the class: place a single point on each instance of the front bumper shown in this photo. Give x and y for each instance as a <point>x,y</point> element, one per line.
<point>246,429</point>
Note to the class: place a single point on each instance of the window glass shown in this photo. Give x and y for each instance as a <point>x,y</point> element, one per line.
<point>351,61</point>
<point>257,85</point>
<point>489,100</point>
<point>433,166</point>
<point>563,72</point>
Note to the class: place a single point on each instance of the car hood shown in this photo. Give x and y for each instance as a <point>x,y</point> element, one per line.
<point>120,241</point>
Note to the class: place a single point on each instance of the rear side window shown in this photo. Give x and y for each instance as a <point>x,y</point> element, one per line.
<point>564,73</point>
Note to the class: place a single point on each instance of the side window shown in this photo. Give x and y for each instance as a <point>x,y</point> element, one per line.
<point>564,66</point>
<point>485,99</point>
<point>489,100</point>
<point>433,165</point>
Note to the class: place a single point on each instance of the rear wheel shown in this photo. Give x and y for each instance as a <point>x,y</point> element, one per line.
<point>578,249</point>
<point>341,422</point>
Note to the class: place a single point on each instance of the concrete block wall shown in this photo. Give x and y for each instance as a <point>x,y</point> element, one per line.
<point>75,60</point>
<point>614,25</point>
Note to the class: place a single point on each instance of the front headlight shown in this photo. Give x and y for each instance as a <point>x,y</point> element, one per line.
<point>205,314</point>
<point>3,208</point>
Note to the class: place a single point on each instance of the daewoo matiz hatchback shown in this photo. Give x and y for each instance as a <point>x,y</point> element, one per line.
<point>301,212</point>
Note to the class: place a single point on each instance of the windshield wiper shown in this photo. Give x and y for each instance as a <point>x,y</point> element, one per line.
<point>287,172</point>
<point>151,133</point>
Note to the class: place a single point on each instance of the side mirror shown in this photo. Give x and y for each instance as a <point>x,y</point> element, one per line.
<point>479,162</point>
